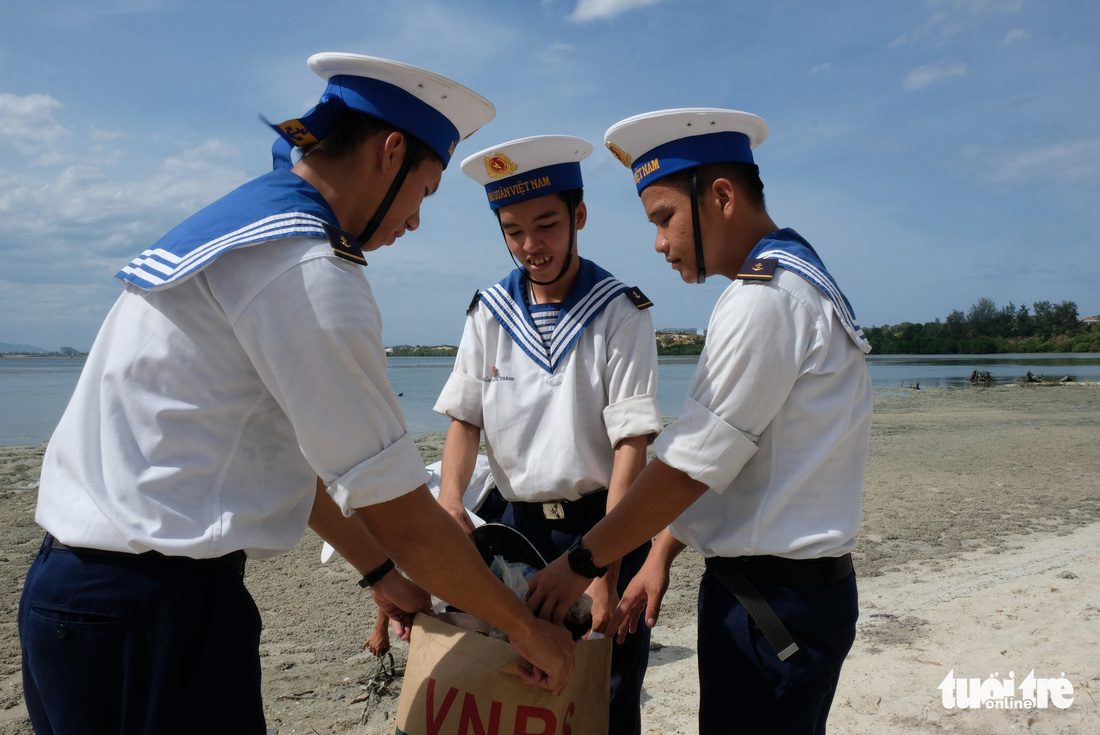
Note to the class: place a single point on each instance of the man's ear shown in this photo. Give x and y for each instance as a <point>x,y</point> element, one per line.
<point>392,150</point>
<point>582,215</point>
<point>724,195</point>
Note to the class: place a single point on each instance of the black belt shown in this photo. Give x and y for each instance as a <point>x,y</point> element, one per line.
<point>593,505</point>
<point>234,559</point>
<point>738,574</point>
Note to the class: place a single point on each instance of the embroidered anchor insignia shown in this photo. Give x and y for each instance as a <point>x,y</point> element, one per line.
<point>756,269</point>
<point>639,299</point>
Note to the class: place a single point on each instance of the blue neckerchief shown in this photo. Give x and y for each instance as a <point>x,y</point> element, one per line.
<point>276,205</point>
<point>795,254</point>
<point>593,289</point>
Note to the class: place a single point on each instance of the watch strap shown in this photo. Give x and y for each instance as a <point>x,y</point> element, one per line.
<point>376,574</point>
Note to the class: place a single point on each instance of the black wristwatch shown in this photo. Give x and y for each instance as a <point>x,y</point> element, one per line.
<point>376,574</point>
<point>580,561</point>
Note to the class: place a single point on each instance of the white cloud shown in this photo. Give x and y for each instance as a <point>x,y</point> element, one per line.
<point>597,9</point>
<point>952,17</point>
<point>923,76</point>
<point>898,42</point>
<point>1016,36</point>
<point>1064,163</point>
<point>29,125</point>
<point>107,215</point>
<point>820,68</point>
<point>554,53</point>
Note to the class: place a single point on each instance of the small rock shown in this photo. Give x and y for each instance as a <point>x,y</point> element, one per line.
<point>1067,575</point>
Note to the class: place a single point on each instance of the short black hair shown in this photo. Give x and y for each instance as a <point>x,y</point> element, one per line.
<point>351,129</point>
<point>572,196</point>
<point>744,176</point>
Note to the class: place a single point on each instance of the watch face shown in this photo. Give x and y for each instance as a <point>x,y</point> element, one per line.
<point>580,561</point>
<point>577,560</point>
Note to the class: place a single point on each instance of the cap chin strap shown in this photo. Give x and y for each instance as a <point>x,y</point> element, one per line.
<point>568,257</point>
<point>384,206</point>
<point>700,264</point>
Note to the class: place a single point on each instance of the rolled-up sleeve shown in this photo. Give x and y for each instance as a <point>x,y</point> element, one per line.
<point>757,341</point>
<point>689,445</point>
<point>387,475</point>
<point>461,397</point>
<point>631,379</point>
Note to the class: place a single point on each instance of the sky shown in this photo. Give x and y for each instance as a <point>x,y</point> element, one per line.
<point>935,152</point>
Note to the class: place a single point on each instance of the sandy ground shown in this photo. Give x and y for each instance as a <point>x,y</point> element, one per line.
<point>979,557</point>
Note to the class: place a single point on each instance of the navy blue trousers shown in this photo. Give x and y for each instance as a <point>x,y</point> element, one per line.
<point>744,687</point>
<point>149,644</point>
<point>628,660</point>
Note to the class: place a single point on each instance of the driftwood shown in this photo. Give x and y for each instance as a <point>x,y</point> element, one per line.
<point>1042,379</point>
<point>982,376</point>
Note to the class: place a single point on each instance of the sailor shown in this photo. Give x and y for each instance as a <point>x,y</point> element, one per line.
<point>762,471</point>
<point>235,392</point>
<point>558,367</point>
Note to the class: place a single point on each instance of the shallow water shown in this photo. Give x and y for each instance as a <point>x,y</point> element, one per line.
<point>35,390</point>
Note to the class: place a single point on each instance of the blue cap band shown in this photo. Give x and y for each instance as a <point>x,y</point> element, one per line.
<point>378,99</point>
<point>536,183</point>
<point>683,153</point>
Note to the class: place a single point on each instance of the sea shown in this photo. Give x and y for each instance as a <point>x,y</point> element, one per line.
<point>35,390</point>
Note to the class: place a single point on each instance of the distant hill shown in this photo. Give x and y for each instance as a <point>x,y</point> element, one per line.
<point>5,347</point>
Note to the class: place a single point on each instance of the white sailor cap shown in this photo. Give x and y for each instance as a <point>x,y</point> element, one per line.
<point>436,110</point>
<point>528,167</point>
<point>656,144</point>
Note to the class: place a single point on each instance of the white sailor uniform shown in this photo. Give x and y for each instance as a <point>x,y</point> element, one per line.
<point>207,406</point>
<point>781,400</point>
<point>209,441</point>
<point>243,359</point>
<point>552,416</point>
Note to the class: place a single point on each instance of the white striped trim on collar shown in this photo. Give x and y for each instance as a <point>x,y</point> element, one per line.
<point>825,283</point>
<point>570,323</point>
<point>156,266</point>
<point>512,319</point>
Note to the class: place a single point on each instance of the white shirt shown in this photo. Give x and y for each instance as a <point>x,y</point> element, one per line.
<point>206,410</point>
<point>776,424</point>
<point>551,436</point>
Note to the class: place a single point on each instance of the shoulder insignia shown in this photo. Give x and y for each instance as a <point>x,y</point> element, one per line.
<point>638,298</point>
<point>754,269</point>
<point>473,303</point>
<point>344,245</point>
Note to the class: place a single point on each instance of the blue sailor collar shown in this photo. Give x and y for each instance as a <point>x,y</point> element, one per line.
<point>591,292</point>
<point>795,254</point>
<point>276,205</point>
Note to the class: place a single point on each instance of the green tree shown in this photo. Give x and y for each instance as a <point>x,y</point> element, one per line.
<point>982,318</point>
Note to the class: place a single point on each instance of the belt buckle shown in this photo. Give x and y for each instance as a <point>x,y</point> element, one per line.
<point>553,511</point>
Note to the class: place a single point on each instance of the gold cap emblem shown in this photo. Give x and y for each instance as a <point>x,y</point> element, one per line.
<point>498,165</point>
<point>623,156</point>
<point>297,132</point>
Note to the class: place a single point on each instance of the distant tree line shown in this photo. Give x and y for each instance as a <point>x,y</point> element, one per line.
<point>986,329</point>
<point>422,351</point>
<point>680,344</point>
<point>983,329</point>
